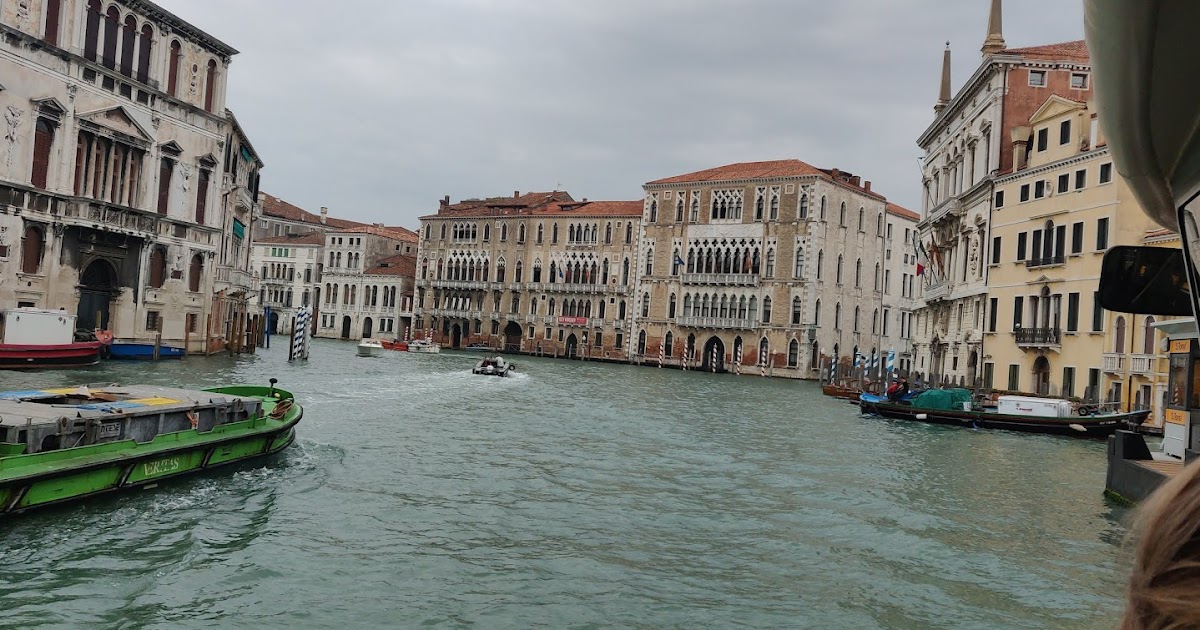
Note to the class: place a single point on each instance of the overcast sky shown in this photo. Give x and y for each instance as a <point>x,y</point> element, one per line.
<point>378,108</point>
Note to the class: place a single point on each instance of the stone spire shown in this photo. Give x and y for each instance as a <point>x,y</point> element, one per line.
<point>995,37</point>
<point>944,95</point>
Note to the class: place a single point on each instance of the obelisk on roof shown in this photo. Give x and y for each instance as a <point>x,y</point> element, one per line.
<point>995,37</point>
<point>944,95</point>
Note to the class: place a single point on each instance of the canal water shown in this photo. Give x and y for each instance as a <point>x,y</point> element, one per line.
<point>576,495</point>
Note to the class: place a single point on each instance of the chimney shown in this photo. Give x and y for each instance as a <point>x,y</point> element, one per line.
<point>324,214</point>
<point>835,174</point>
<point>444,201</point>
<point>1020,141</point>
<point>867,185</point>
<point>516,194</point>
<point>585,200</point>
<point>856,180</point>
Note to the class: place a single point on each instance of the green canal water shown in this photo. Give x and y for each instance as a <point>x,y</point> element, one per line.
<point>576,495</point>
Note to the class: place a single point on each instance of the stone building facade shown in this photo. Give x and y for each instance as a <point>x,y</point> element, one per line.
<point>289,272</point>
<point>114,134</point>
<point>768,267</point>
<point>366,287</point>
<point>535,273</point>
<point>966,147</point>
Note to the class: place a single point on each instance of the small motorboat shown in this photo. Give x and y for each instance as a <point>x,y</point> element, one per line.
<point>841,392</point>
<point>139,350</point>
<point>370,348</point>
<point>424,346</point>
<point>1012,413</point>
<point>493,366</point>
<point>32,338</point>
<point>398,345</point>
<point>478,347</point>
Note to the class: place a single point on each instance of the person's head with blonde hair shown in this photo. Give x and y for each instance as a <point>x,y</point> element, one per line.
<point>1164,585</point>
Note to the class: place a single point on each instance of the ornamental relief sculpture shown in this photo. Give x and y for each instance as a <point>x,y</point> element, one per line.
<point>13,118</point>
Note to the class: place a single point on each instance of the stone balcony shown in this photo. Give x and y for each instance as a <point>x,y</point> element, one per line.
<point>948,208</point>
<point>722,279</point>
<point>1134,364</point>
<point>573,287</point>
<point>460,284</point>
<point>1038,337</point>
<point>717,322</point>
<point>237,279</point>
<point>937,291</point>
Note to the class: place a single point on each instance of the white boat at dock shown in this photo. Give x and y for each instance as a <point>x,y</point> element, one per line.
<point>370,348</point>
<point>424,346</point>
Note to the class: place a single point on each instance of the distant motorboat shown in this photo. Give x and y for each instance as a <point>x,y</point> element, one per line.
<point>493,366</point>
<point>135,350</point>
<point>478,347</point>
<point>424,346</point>
<point>370,348</point>
<point>398,345</point>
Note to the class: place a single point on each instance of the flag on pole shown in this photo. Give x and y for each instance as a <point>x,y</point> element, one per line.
<point>922,258</point>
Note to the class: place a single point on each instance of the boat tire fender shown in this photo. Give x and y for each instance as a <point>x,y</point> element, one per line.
<point>1085,410</point>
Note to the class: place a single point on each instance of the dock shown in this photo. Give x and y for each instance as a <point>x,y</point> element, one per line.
<point>1134,473</point>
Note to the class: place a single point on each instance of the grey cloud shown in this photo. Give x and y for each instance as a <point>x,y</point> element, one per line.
<point>378,108</point>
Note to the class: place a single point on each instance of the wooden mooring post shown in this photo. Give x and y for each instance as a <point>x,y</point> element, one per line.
<point>158,338</point>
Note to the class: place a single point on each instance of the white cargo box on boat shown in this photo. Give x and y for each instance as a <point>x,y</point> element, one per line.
<point>1030,406</point>
<point>34,326</point>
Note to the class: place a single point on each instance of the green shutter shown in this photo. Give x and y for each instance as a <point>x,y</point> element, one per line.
<point>239,229</point>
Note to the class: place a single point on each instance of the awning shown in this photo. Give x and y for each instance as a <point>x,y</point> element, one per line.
<point>239,229</point>
<point>1182,328</point>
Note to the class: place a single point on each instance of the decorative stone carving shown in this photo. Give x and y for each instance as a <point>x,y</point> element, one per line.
<point>71,91</point>
<point>13,118</point>
<point>22,17</point>
<point>974,255</point>
<point>185,174</point>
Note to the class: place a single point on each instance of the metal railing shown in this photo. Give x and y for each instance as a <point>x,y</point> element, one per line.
<point>717,322</point>
<point>1038,336</point>
<point>1046,261</point>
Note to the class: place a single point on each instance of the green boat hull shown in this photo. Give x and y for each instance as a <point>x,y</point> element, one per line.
<point>43,479</point>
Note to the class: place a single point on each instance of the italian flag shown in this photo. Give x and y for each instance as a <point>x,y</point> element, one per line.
<point>922,258</point>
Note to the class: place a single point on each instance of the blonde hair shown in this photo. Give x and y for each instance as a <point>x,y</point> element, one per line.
<point>1164,585</point>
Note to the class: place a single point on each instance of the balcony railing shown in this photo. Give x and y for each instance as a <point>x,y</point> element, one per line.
<point>1046,262</point>
<point>950,207</point>
<point>234,277</point>
<point>1137,364</point>
<point>1141,364</point>
<point>937,291</point>
<point>1038,337</point>
<point>722,279</point>
<point>717,322</point>
<point>1113,363</point>
<point>572,287</point>
<point>460,284</point>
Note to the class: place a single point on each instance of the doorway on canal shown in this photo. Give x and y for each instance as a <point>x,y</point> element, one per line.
<point>456,336</point>
<point>274,324</point>
<point>368,326</point>
<point>346,327</point>
<point>572,349</point>
<point>512,337</point>
<point>714,355</point>
<point>97,284</point>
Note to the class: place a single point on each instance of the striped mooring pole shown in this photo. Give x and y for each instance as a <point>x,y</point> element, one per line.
<point>737,361</point>
<point>712,362</point>
<point>662,348</point>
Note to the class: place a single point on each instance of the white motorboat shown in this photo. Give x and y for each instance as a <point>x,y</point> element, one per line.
<point>370,348</point>
<point>493,366</point>
<point>424,346</point>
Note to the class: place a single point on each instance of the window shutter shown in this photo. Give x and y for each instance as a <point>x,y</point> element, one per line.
<point>201,196</point>
<point>43,138</point>
<point>165,170</point>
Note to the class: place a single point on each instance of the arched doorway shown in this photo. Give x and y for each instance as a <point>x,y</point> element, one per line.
<point>274,324</point>
<point>714,355</point>
<point>97,284</point>
<point>972,363</point>
<point>346,327</point>
<point>512,337</point>
<point>572,346</point>
<point>455,336</point>
<point>1041,375</point>
<point>367,327</point>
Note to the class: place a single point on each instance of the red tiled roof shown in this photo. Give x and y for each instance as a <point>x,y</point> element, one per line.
<point>1064,51</point>
<point>398,234</point>
<point>593,209</point>
<point>762,170</point>
<point>902,212</point>
<point>395,266</point>
<point>499,206</point>
<point>746,170</point>
<point>310,238</point>
<point>275,207</point>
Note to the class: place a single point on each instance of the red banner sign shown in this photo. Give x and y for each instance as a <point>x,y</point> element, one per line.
<point>572,321</point>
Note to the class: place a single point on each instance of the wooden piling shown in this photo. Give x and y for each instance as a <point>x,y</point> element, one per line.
<point>157,339</point>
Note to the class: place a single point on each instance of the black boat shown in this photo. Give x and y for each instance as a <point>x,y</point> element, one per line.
<point>1093,424</point>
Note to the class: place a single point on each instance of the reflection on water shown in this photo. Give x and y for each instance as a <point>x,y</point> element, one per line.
<point>576,494</point>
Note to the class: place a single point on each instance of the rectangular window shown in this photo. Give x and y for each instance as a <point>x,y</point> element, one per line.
<point>1043,139</point>
<point>152,320</point>
<point>1022,239</point>
<point>1077,238</point>
<point>996,250</point>
<point>1024,192</point>
<point>1039,189</point>
<point>1079,81</point>
<point>201,195</point>
<point>989,374</point>
<point>1060,241</point>
<point>1064,183</point>
<point>1018,307</point>
<point>1035,252</point>
<point>1037,78</point>
<point>1068,382</point>
<point>192,319</point>
<point>1102,234</point>
<point>1080,178</point>
<point>1072,312</point>
<point>1014,378</point>
<point>993,307</point>
<point>1093,382</point>
<point>1064,132</point>
<point>999,198</point>
<point>1106,173</point>
<point>1097,313</point>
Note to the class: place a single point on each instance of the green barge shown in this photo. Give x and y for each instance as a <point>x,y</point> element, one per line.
<point>59,445</point>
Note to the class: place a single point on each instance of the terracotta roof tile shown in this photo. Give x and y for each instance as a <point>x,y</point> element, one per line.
<point>395,266</point>
<point>763,170</point>
<point>397,234</point>
<point>275,207</point>
<point>501,206</point>
<point>1063,51</point>
<point>902,212</point>
<point>593,209</point>
<point>310,238</point>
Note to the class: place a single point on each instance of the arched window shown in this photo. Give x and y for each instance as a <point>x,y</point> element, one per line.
<point>817,313</point>
<point>820,264</point>
<point>128,44</point>
<point>158,268</point>
<point>173,68</point>
<point>650,262</point>
<point>608,233</point>
<point>856,311</point>
<point>862,219</point>
<point>500,270</point>
<point>646,305</point>
<point>425,268</point>
<point>796,304</point>
<point>503,232</point>
<point>770,271</point>
<point>653,210</point>
<point>517,274</point>
<point>195,270</point>
<point>629,232</point>
<point>91,35</point>
<point>793,359</point>
<point>766,313</point>
<point>858,273</point>
<point>676,262</point>
<point>210,85</point>
<point>443,231</point>
<point>112,20</point>
<point>641,349</point>
<point>804,206</point>
<point>145,48</point>
<point>43,140</point>
<point>774,204</point>
<point>487,232</point>
<point>671,307</point>
<point>521,233</point>
<point>539,234</point>
<point>1119,341</point>
<point>554,234</point>
<point>875,322</point>
<point>32,246</point>
<point>822,213</point>
<point>839,269</point>
<point>879,225</point>
<point>625,273</point>
<point>842,215</point>
<point>1148,339</point>
<point>876,276</point>
<point>837,316</point>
